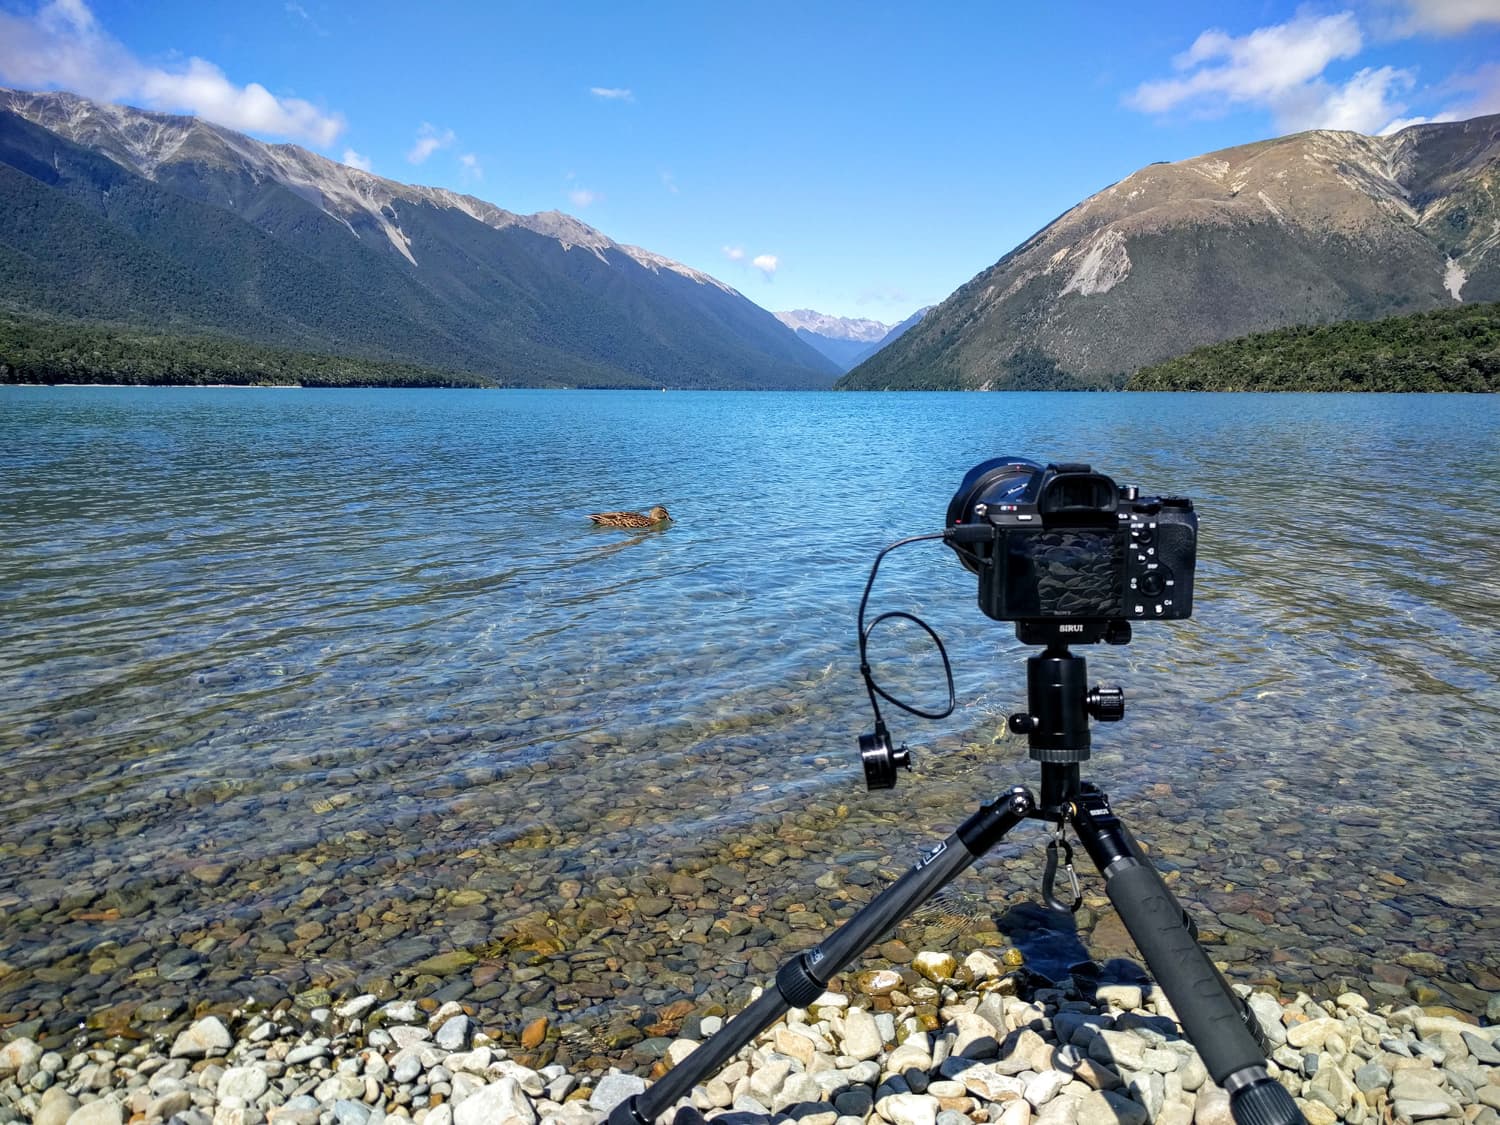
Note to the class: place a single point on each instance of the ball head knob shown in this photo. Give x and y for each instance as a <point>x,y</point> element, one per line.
<point>1107,704</point>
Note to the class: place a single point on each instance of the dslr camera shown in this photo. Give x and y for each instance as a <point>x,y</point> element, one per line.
<point>1068,554</point>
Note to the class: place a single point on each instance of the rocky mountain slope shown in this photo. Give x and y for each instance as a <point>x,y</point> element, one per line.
<point>118,215</point>
<point>1307,229</point>
<point>893,335</point>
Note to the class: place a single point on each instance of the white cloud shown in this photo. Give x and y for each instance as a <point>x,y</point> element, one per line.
<point>582,197</point>
<point>356,160</point>
<point>471,168</point>
<point>1449,17</point>
<point>669,182</point>
<point>612,93</point>
<point>734,253</point>
<point>767,264</point>
<point>63,46</point>
<point>1269,66</point>
<point>429,139</point>
<point>1368,102</point>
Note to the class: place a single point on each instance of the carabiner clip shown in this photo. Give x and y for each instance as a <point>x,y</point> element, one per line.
<point>1049,875</point>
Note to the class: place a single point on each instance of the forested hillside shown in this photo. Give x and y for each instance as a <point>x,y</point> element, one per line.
<point>1454,349</point>
<point>37,351</point>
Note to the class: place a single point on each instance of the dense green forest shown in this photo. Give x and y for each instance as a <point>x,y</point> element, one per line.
<point>40,351</point>
<point>1455,349</point>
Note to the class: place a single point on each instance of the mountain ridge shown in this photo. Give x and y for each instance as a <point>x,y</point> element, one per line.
<point>1312,228</point>
<point>429,277</point>
<point>848,341</point>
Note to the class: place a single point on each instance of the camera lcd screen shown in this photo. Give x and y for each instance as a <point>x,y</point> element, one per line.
<point>1065,572</point>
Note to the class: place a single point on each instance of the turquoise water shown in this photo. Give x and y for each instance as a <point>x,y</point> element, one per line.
<point>269,655</point>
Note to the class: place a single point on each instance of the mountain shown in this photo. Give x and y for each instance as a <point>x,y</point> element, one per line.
<point>894,334</point>
<point>1314,228</point>
<point>842,339</point>
<point>112,214</point>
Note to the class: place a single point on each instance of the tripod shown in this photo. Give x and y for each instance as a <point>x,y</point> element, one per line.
<point>1056,726</point>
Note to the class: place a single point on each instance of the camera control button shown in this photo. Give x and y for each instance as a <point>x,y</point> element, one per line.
<point>1152,583</point>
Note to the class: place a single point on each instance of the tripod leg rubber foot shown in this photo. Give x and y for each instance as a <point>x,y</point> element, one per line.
<point>1265,1103</point>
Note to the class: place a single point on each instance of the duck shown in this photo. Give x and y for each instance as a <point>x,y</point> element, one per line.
<point>657,515</point>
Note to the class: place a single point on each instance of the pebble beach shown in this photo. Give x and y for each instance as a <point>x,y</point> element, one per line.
<point>936,1043</point>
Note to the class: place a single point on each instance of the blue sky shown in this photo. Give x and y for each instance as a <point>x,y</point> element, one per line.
<point>861,159</point>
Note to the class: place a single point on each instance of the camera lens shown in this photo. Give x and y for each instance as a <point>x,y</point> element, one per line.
<point>1000,480</point>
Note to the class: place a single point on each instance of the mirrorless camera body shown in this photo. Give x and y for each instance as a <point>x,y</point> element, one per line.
<point>1068,547</point>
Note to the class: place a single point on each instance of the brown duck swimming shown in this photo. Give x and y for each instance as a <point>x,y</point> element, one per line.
<point>653,518</point>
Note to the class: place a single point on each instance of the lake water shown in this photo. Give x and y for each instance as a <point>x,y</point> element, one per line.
<point>341,689</point>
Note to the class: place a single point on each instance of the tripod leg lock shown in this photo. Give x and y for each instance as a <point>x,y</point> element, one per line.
<point>797,984</point>
<point>1264,1102</point>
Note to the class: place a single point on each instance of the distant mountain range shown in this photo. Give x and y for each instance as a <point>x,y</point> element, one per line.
<point>116,215</point>
<point>1314,228</point>
<point>845,340</point>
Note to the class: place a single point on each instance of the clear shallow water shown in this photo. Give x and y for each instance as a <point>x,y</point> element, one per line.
<point>274,662</point>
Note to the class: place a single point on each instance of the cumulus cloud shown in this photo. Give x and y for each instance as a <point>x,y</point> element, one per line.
<point>582,197</point>
<point>1370,102</point>
<point>1282,68</point>
<point>470,166</point>
<point>766,263</point>
<point>429,139</point>
<point>1268,66</point>
<point>734,253</point>
<point>1449,17</point>
<point>356,160</point>
<point>612,93</point>
<point>62,45</point>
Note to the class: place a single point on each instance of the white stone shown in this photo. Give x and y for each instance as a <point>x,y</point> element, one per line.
<point>610,1091</point>
<point>106,1111</point>
<point>982,966</point>
<point>1312,1033</point>
<point>244,1082</point>
<point>1123,996</point>
<point>862,1039</point>
<point>1105,1107</point>
<point>499,1103</point>
<point>1268,1013</point>
<point>18,1053</point>
<point>986,1082</point>
<point>357,1008</point>
<point>908,1109</point>
<point>977,1037</point>
<point>1212,1106</point>
<point>207,1038</point>
<point>1042,1088</point>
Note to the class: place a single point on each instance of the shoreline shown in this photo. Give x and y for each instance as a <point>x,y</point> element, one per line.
<point>938,1043</point>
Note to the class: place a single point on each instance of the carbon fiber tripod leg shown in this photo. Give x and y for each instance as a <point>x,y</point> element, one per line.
<point>805,977</point>
<point>1215,1020</point>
